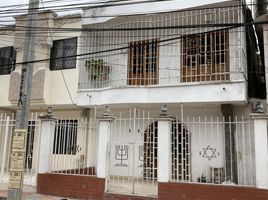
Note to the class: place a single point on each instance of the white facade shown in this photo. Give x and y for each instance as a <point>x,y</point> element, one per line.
<point>198,105</point>
<point>171,86</point>
<point>206,134</point>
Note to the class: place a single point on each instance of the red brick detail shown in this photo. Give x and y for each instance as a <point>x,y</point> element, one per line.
<point>71,186</point>
<point>182,191</point>
<point>108,196</point>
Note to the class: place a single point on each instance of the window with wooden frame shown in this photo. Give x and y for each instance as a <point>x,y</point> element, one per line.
<point>143,62</point>
<point>205,57</point>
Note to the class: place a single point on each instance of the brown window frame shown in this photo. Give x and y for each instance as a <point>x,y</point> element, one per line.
<point>63,54</point>
<point>205,56</point>
<point>143,59</point>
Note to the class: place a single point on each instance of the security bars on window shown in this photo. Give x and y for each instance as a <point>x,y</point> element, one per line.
<point>167,56</point>
<point>74,147</point>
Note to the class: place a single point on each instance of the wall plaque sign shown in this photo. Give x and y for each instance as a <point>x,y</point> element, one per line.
<point>19,139</point>
<point>17,161</point>
<point>15,180</point>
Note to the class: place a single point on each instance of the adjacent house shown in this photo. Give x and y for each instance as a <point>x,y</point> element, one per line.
<point>55,82</point>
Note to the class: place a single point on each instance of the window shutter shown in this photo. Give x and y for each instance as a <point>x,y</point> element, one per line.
<point>6,60</point>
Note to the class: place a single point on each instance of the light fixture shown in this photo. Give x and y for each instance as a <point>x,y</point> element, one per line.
<point>49,111</point>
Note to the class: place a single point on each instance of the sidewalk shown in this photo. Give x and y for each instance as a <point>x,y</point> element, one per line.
<point>32,196</point>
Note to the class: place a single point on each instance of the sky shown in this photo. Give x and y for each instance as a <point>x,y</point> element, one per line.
<point>43,3</point>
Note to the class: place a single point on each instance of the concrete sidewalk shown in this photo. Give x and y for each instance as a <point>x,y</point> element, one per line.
<point>32,196</point>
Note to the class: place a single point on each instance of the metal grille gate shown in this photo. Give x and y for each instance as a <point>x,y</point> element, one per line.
<point>132,167</point>
<point>7,126</point>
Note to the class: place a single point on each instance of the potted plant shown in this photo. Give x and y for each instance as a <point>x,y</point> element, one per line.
<point>97,69</point>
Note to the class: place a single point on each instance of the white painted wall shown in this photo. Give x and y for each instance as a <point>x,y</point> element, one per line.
<point>57,90</point>
<point>143,8</point>
<point>130,133</point>
<point>202,134</point>
<point>213,93</point>
<point>118,91</point>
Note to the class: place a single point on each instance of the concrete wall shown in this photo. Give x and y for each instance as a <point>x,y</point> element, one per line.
<point>144,8</point>
<point>59,87</point>
<point>170,88</point>
<point>206,128</point>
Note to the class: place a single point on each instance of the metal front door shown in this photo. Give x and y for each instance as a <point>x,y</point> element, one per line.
<point>132,166</point>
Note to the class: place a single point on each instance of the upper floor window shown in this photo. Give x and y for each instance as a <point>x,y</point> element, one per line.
<point>205,57</point>
<point>143,62</point>
<point>7,60</point>
<point>63,54</point>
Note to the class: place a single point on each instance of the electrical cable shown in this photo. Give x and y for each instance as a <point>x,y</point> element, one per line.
<point>163,12</point>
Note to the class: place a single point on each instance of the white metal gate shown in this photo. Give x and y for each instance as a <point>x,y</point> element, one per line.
<point>73,149</point>
<point>132,167</point>
<point>7,126</point>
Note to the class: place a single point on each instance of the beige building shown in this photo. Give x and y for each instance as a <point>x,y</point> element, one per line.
<point>55,81</point>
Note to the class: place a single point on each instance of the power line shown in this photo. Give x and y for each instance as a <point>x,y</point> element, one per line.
<point>207,25</point>
<point>88,5</point>
<point>118,49</point>
<point>149,13</point>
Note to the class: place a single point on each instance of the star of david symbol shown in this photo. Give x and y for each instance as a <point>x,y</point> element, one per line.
<point>209,153</point>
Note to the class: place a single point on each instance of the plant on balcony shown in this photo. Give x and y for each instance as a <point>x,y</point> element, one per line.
<point>97,69</point>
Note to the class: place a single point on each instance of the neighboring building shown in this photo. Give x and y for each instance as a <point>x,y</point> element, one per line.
<point>55,81</point>
<point>48,78</point>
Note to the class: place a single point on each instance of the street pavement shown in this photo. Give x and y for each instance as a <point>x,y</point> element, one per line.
<point>32,196</point>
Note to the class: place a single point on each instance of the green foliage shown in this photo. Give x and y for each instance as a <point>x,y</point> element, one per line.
<point>97,69</point>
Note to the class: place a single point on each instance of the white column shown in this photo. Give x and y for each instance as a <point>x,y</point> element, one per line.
<point>46,144</point>
<point>164,149</point>
<point>265,41</point>
<point>4,156</point>
<point>103,141</point>
<point>261,149</point>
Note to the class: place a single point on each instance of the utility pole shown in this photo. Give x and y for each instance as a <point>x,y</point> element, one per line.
<point>19,136</point>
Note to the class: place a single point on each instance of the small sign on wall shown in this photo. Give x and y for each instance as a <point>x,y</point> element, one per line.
<point>17,159</point>
<point>19,139</point>
<point>15,180</point>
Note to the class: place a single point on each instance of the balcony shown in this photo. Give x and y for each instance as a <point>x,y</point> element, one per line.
<point>128,64</point>
<point>116,87</point>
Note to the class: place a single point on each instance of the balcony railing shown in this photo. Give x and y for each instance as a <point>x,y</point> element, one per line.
<point>149,50</point>
<point>118,77</point>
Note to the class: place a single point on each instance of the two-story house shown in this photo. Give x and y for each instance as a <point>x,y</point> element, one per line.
<point>198,61</point>
<point>172,84</point>
<point>55,81</point>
